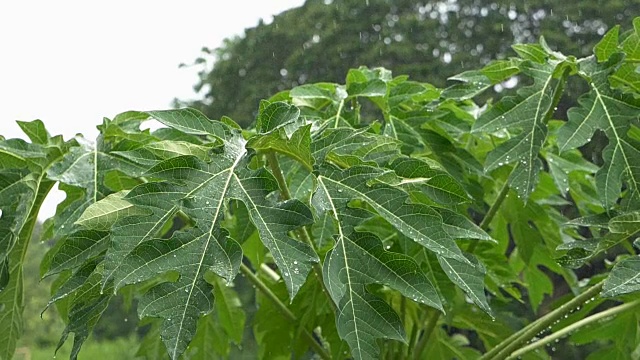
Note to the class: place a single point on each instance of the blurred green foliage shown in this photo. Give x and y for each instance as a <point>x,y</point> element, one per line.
<point>427,40</point>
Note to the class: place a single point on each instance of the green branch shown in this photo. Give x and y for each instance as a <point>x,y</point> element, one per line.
<point>302,233</point>
<point>428,329</point>
<point>335,124</point>
<point>573,327</point>
<point>509,345</point>
<point>284,310</point>
<point>484,225</point>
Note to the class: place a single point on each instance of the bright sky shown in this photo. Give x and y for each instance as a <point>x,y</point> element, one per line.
<point>71,63</point>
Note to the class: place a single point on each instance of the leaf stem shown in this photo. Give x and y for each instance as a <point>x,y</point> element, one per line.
<point>576,325</point>
<point>283,309</point>
<point>432,320</point>
<point>303,234</point>
<point>336,123</point>
<point>484,224</point>
<point>493,210</point>
<point>507,346</point>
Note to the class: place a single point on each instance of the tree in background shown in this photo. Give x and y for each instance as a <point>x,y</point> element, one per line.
<point>429,41</point>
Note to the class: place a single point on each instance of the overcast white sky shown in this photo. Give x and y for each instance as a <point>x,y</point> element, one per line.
<point>71,63</point>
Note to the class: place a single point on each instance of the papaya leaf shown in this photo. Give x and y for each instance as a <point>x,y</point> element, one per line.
<point>624,278</point>
<point>363,317</point>
<point>527,112</point>
<point>201,192</point>
<point>604,109</point>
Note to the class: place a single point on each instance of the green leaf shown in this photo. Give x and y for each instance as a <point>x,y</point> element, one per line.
<point>77,248</point>
<point>469,276</point>
<point>229,313</point>
<point>533,52</point>
<point>104,213</point>
<point>500,70</point>
<point>627,77</point>
<point>607,45</point>
<point>190,121</point>
<point>441,187</point>
<point>444,347</point>
<point>89,302</point>
<point>358,144</point>
<point>416,221</point>
<point>604,109</point>
<point>81,175</point>
<point>624,278</point>
<point>297,146</point>
<point>459,226</point>
<point>36,131</point>
<point>527,111</point>
<point>275,115</point>
<point>201,191</point>
<point>151,346</point>
<point>363,317</point>
<point>628,223</point>
<point>471,83</point>
<point>367,83</point>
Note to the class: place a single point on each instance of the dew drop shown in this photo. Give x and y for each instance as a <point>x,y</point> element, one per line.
<point>339,190</point>
<point>207,202</point>
<point>295,262</point>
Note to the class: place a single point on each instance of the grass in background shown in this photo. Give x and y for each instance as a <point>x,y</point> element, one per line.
<point>119,349</point>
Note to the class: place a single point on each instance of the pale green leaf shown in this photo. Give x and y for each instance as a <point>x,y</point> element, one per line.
<point>526,114</point>
<point>606,110</point>
<point>624,278</point>
<point>469,276</point>
<point>104,213</point>
<point>607,45</point>
<point>190,121</point>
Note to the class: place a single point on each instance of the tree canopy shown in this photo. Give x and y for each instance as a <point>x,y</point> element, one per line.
<point>428,41</point>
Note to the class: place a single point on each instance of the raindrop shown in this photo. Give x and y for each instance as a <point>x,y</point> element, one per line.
<point>207,202</point>
<point>295,262</point>
<point>339,190</point>
<point>61,226</point>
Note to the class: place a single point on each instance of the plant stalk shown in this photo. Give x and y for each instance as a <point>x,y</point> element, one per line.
<point>302,233</point>
<point>493,210</point>
<point>335,124</point>
<point>284,310</point>
<point>484,224</point>
<point>432,320</point>
<point>509,345</point>
<point>576,325</point>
